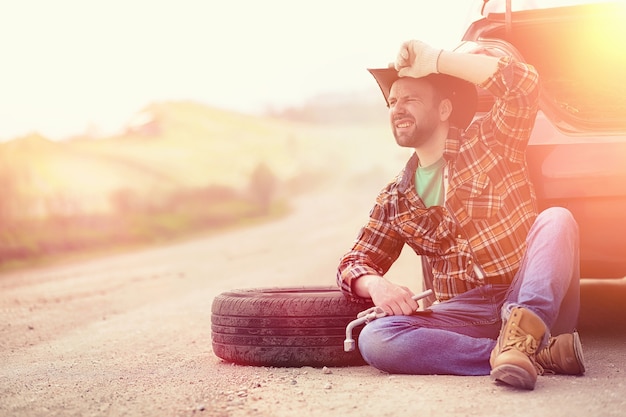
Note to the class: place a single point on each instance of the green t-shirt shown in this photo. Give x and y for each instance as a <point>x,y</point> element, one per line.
<point>429,183</point>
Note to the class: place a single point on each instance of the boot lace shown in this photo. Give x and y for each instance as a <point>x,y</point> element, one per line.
<point>525,343</point>
<point>545,358</point>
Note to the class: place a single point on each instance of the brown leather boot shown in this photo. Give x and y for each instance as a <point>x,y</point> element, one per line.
<point>563,355</point>
<point>513,359</point>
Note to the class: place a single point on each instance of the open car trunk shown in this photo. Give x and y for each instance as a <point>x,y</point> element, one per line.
<point>577,153</point>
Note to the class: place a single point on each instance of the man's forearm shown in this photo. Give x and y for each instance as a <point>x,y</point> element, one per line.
<point>361,287</point>
<point>470,67</point>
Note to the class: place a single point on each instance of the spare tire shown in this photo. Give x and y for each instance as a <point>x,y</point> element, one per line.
<point>284,327</point>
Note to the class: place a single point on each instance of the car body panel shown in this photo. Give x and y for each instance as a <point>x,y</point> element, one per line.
<point>577,151</point>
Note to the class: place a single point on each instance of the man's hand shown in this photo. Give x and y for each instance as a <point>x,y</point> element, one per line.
<point>393,298</point>
<point>417,59</point>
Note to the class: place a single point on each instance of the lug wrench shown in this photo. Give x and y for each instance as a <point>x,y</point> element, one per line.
<point>368,315</point>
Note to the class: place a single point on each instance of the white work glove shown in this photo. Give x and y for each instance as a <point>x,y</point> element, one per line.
<point>417,59</point>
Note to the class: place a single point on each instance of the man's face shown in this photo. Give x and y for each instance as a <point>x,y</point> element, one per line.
<point>413,111</point>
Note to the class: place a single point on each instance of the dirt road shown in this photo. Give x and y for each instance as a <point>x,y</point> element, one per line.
<point>129,335</point>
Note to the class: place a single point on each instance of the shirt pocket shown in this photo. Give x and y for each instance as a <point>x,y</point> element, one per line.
<point>480,197</point>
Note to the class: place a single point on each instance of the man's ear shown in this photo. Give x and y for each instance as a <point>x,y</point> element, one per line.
<point>445,109</point>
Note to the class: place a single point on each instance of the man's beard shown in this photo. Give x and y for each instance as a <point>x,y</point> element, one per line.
<point>420,134</point>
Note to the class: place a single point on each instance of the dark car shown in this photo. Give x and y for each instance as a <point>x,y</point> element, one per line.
<point>577,152</point>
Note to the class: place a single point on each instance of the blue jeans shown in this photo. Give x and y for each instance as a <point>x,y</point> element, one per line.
<point>456,337</point>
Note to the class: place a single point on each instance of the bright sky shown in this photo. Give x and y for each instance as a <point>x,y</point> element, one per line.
<point>69,64</point>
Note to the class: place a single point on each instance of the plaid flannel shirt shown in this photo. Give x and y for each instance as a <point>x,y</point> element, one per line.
<point>479,235</point>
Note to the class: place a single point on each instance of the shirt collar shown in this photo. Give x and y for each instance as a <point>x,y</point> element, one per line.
<point>453,144</point>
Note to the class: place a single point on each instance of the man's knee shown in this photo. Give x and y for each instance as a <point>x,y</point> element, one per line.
<point>556,222</point>
<point>382,344</point>
<point>371,341</point>
<point>558,216</point>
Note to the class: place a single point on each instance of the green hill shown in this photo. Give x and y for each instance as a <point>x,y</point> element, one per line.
<point>178,166</point>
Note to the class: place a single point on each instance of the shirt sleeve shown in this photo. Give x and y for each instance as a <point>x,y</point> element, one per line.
<point>376,248</point>
<point>508,125</point>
